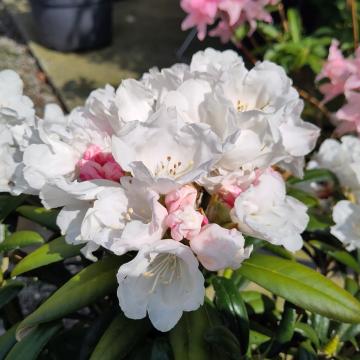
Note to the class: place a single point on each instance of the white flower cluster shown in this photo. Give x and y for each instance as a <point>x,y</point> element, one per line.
<point>129,171</point>
<point>343,159</point>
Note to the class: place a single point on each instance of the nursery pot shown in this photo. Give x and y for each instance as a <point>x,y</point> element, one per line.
<point>73,25</point>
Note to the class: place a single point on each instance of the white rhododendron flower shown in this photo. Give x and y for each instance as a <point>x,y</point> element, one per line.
<point>165,152</point>
<point>75,147</point>
<point>125,218</point>
<point>163,280</point>
<point>17,119</point>
<point>266,212</point>
<point>342,158</point>
<point>218,248</point>
<point>346,216</point>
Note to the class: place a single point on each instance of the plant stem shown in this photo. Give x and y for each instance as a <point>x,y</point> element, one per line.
<point>314,101</point>
<point>355,23</point>
<point>284,21</point>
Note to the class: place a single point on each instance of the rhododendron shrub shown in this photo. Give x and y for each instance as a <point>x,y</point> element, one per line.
<point>175,190</point>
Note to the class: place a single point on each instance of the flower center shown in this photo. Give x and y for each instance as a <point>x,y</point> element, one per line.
<point>163,270</point>
<point>240,106</point>
<point>172,167</point>
<point>96,164</point>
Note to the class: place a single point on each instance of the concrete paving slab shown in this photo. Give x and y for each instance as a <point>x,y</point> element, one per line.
<point>146,34</point>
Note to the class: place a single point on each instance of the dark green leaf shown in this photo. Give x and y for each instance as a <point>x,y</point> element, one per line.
<point>120,337</point>
<point>9,290</point>
<point>231,305</point>
<point>302,286</point>
<point>21,239</point>
<point>225,341</point>
<point>7,341</point>
<point>341,256</point>
<point>40,215</point>
<point>90,284</point>
<point>54,251</point>
<point>187,337</point>
<point>308,332</point>
<point>285,330</point>
<point>258,303</point>
<point>30,347</point>
<point>9,203</point>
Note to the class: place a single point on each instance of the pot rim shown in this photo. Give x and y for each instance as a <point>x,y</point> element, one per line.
<point>68,3</point>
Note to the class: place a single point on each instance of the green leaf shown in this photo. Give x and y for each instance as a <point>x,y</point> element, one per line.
<point>294,21</point>
<point>21,239</point>
<point>187,337</point>
<point>89,285</point>
<point>40,215</point>
<point>303,196</point>
<point>340,255</point>
<point>30,347</point>
<point>257,338</point>
<point>318,222</point>
<point>54,251</point>
<point>302,286</point>
<point>231,305</point>
<point>9,203</point>
<point>225,341</point>
<point>9,290</point>
<point>257,302</point>
<point>307,332</point>
<point>120,337</point>
<point>314,175</point>
<point>7,341</point>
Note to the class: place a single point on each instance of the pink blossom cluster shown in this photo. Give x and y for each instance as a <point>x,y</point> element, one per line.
<point>344,79</point>
<point>230,13</point>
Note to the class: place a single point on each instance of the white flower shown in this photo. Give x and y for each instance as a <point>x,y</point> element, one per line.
<point>165,152</point>
<point>17,118</point>
<point>125,218</point>
<point>214,63</point>
<point>266,212</point>
<point>66,140</point>
<point>346,216</point>
<point>163,280</point>
<point>75,199</point>
<point>342,158</point>
<point>218,248</point>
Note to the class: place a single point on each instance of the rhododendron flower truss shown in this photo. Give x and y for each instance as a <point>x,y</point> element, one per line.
<point>230,14</point>
<point>174,170</point>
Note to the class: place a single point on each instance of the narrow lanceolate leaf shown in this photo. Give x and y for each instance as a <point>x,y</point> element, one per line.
<point>303,196</point>
<point>9,203</point>
<point>340,255</point>
<point>30,347</point>
<point>119,339</point>
<point>314,175</point>
<point>302,286</point>
<point>40,215</point>
<point>187,338</point>
<point>90,284</point>
<point>21,239</point>
<point>9,290</point>
<point>7,341</point>
<point>231,305</point>
<point>54,251</point>
<point>226,342</point>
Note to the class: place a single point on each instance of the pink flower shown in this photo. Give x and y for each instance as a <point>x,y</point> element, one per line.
<point>337,69</point>
<point>180,198</point>
<point>218,248</point>
<point>184,223</point>
<point>350,113</point>
<point>96,164</point>
<point>200,14</point>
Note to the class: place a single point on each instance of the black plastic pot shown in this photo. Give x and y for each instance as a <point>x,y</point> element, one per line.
<point>73,25</point>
